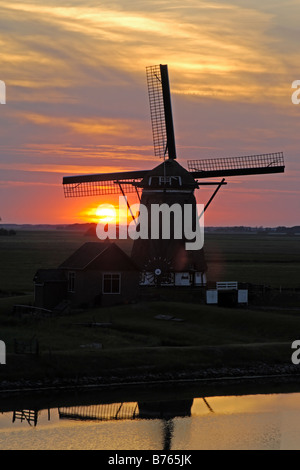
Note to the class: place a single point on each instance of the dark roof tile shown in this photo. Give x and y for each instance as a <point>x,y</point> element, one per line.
<point>85,255</point>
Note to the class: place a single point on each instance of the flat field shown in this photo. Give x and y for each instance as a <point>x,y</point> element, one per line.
<point>270,260</point>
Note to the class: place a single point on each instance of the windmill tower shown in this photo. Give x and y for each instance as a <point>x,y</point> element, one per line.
<point>161,261</point>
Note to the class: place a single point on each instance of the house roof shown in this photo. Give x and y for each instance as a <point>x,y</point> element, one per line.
<point>88,254</point>
<point>85,255</point>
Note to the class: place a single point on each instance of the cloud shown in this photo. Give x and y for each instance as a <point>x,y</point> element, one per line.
<point>60,169</point>
<point>214,49</point>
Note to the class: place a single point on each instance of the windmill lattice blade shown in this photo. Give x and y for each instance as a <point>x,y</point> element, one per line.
<point>161,111</point>
<point>102,184</point>
<point>234,166</point>
<point>157,110</point>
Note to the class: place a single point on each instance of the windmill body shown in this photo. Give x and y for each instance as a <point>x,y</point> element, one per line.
<point>167,261</point>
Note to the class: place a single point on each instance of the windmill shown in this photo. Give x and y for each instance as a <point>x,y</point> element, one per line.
<point>168,262</point>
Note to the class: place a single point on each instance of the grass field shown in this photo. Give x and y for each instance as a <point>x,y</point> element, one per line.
<point>136,340</point>
<point>23,254</point>
<point>272,260</point>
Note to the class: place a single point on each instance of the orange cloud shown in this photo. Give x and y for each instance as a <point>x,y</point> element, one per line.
<point>204,44</point>
<point>85,125</point>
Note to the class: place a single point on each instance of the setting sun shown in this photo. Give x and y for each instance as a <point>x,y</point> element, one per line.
<point>103,213</point>
<point>106,214</point>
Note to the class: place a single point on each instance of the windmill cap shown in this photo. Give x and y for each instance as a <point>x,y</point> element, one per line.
<point>169,173</point>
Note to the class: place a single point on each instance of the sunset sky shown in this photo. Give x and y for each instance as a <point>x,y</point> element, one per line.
<point>77,101</point>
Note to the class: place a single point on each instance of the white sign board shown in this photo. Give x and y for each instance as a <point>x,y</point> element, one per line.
<point>211,296</point>
<point>242,296</point>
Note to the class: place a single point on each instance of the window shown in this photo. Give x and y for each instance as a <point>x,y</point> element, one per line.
<point>111,283</point>
<point>71,281</point>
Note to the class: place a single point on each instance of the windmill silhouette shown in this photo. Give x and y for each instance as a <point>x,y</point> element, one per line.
<point>167,262</point>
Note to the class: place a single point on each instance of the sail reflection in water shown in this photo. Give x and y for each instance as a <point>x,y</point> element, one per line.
<point>105,412</point>
<point>117,411</point>
<point>166,411</point>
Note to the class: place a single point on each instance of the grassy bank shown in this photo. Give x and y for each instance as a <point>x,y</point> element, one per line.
<point>136,342</point>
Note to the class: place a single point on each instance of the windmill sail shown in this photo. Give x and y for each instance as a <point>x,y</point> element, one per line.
<point>235,166</point>
<point>161,111</point>
<point>102,184</point>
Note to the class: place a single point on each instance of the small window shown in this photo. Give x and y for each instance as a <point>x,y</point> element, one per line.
<point>71,281</point>
<point>111,283</point>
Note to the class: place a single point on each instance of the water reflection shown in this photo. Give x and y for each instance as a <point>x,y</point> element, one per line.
<point>30,416</point>
<point>164,411</point>
<point>114,411</point>
<point>103,412</point>
<point>257,421</point>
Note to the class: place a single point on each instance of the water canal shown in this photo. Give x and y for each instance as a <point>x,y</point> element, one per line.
<point>181,419</point>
